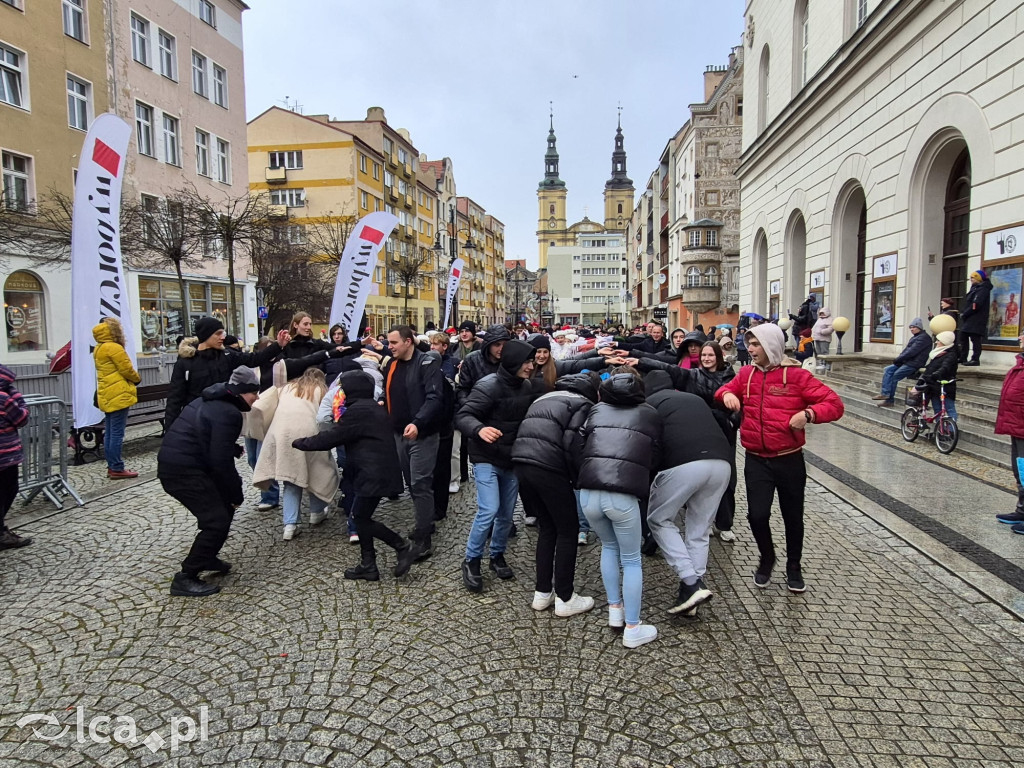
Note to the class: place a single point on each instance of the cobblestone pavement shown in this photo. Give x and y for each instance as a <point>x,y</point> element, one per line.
<point>887,660</point>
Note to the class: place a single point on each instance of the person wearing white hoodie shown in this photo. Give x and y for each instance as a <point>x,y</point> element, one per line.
<point>821,335</point>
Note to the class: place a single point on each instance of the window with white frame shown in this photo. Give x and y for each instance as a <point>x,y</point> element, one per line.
<point>208,12</point>
<point>293,198</point>
<point>862,12</point>
<point>202,153</point>
<point>140,40</point>
<point>364,201</point>
<point>79,96</point>
<point>172,150</point>
<point>223,161</point>
<point>12,76</point>
<point>74,19</point>
<point>694,238</point>
<point>199,84</point>
<point>376,171</point>
<point>150,219</point>
<point>17,171</point>
<point>292,233</point>
<point>693,277</point>
<point>168,58</point>
<point>362,163</point>
<point>144,129</point>
<point>711,277</point>
<point>712,237</point>
<point>291,160</point>
<point>805,43</point>
<point>220,86</point>
<point>12,3</point>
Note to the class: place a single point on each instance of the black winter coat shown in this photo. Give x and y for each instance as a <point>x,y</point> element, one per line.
<point>621,440</point>
<point>689,430</point>
<point>479,364</point>
<point>303,346</point>
<point>500,400</point>
<point>704,384</point>
<point>940,368</point>
<point>550,435</point>
<point>365,431</point>
<point>203,438</point>
<point>915,354</point>
<point>648,345</point>
<point>192,375</point>
<point>425,390</point>
<point>974,315</point>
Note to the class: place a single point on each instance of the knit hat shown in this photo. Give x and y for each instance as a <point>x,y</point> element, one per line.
<point>206,327</point>
<point>946,338</point>
<point>230,340</point>
<point>243,379</point>
<point>468,325</point>
<point>980,274</point>
<point>539,341</point>
<point>515,353</point>
<point>916,323</point>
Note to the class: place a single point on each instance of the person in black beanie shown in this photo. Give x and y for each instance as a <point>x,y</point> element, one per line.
<point>196,466</point>
<point>468,342</point>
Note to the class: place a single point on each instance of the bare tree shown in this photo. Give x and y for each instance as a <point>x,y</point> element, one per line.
<point>170,235</point>
<point>288,276</point>
<point>410,271</point>
<point>326,237</point>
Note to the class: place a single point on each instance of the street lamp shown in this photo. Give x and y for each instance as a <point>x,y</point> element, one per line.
<point>453,241</point>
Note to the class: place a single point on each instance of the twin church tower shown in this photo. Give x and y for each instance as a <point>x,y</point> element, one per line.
<point>552,227</point>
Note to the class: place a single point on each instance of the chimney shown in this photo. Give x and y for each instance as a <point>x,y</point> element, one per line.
<point>713,77</point>
<point>376,114</point>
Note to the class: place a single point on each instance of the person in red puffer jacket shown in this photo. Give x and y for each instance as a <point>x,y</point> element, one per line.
<point>1010,421</point>
<point>777,402</point>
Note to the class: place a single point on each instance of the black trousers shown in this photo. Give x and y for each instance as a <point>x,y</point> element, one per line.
<point>786,475</point>
<point>973,341</point>
<point>198,493</point>
<point>442,475</point>
<point>1016,456</point>
<point>727,506</point>
<point>464,461</point>
<point>369,529</point>
<point>549,497</point>
<point>8,491</point>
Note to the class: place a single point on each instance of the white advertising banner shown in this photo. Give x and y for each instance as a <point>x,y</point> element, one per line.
<point>98,287</point>
<point>355,272</point>
<point>454,278</point>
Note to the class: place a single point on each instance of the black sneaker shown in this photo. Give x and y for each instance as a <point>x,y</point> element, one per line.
<point>219,566</point>
<point>763,574</point>
<point>690,596</point>
<point>424,550</point>
<point>406,556</point>
<point>649,547</point>
<point>1010,518</point>
<point>794,579</point>
<point>189,585</point>
<point>471,575</point>
<point>365,571</point>
<point>500,567</point>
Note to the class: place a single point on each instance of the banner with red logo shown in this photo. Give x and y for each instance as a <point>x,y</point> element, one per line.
<point>355,272</point>
<point>454,278</point>
<point>98,288</point>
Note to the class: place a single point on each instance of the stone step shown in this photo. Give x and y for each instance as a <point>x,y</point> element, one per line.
<point>979,407</point>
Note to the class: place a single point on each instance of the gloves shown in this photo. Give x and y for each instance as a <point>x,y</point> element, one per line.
<point>335,353</point>
<point>299,444</point>
<point>239,451</point>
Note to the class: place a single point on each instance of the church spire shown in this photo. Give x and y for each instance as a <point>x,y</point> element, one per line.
<point>619,180</point>
<point>551,180</point>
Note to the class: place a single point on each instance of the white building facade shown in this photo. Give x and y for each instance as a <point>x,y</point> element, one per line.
<point>883,160</point>
<point>587,282</point>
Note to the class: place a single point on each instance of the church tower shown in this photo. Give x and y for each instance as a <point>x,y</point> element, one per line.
<point>551,196</point>
<point>618,190</point>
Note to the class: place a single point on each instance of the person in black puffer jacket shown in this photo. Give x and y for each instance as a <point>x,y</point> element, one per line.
<point>209,363</point>
<point>364,428</point>
<point>482,362</point>
<point>974,318</point>
<point>490,419</point>
<point>302,343</point>
<point>442,483</point>
<point>544,458</point>
<point>196,466</point>
<point>621,445</point>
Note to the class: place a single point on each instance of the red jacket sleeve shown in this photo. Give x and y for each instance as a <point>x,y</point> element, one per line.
<point>734,385</point>
<point>822,400</point>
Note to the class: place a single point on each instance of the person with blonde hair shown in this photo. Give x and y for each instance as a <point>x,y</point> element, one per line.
<point>296,471</point>
<point>116,378</point>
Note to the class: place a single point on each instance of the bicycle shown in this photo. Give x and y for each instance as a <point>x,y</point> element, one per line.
<point>941,426</point>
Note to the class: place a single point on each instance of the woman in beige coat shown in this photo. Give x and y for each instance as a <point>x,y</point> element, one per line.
<point>295,471</point>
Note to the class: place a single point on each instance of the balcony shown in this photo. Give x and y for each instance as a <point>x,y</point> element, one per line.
<point>406,230</point>
<point>277,211</point>
<point>407,169</point>
<point>276,175</point>
<point>393,192</point>
<point>701,298</point>
<point>408,200</point>
<point>664,221</point>
<point>664,186</point>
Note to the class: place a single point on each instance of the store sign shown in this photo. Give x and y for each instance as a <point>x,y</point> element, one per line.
<point>885,266</point>
<point>660,313</point>
<point>1005,243</point>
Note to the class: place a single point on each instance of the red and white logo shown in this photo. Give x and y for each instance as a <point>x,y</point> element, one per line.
<point>371,234</point>
<point>106,158</point>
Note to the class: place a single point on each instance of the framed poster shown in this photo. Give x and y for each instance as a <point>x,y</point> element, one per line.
<point>818,287</point>
<point>1004,323</point>
<point>883,302</point>
<point>774,289</point>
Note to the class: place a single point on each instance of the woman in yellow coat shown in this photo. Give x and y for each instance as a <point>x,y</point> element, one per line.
<point>116,378</point>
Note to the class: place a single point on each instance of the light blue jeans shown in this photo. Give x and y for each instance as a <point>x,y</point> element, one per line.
<point>292,503</point>
<point>113,438</point>
<point>496,492</point>
<point>950,406</point>
<point>584,525</point>
<point>616,519</point>
<point>272,495</point>
<point>893,375</point>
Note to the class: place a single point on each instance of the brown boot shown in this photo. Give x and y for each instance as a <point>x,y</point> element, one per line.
<point>10,540</point>
<point>122,474</point>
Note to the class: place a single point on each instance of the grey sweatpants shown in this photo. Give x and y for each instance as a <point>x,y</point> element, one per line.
<point>699,485</point>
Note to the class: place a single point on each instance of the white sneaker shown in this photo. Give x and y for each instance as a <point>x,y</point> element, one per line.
<point>575,604</point>
<point>616,617</point>
<point>315,518</point>
<point>453,486</point>
<point>634,637</point>
<point>264,507</point>
<point>290,531</point>
<point>543,600</point>
<point>581,540</point>
<point>530,521</point>
<point>353,538</point>
<point>727,536</point>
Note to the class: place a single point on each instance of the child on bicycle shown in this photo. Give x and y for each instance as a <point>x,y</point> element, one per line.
<point>942,366</point>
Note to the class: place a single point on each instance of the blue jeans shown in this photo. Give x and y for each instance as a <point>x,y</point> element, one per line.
<point>272,495</point>
<point>584,525</point>
<point>892,375</point>
<point>950,405</point>
<point>293,502</point>
<point>496,492</point>
<point>616,518</point>
<point>113,436</point>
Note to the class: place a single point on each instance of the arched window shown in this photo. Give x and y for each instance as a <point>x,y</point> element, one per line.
<point>764,79</point>
<point>957,226</point>
<point>620,207</point>
<point>801,44</point>
<point>24,312</point>
<point>551,209</point>
<point>711,277</point>
<point>693,277</point>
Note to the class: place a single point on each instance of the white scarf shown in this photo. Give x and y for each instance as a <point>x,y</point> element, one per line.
<point>936,352</point>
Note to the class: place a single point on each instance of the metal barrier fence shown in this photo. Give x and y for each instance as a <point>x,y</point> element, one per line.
<point>45,469</point>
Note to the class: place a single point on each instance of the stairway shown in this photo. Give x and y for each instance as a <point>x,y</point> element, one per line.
<point>857,379</point>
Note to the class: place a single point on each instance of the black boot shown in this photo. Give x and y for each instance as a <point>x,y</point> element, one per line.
<point>423,550</point>
<point>219,566</point>
<point>407,555</point>
<point>366,570</point>
<point>471,575</point>
<point>190,585</point>
<point>500,567</point>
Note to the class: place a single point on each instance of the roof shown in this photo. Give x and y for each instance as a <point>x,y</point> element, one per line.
<point>704,223</point>
<point>435,167</point>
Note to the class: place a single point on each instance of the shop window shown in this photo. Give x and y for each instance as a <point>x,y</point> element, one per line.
<point>24,312</point>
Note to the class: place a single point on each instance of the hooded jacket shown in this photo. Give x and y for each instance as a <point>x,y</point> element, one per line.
<point>942,367</point>
<point>621,440</point>
<point>822,329</point>
<point>1010,416</point>
<point>689,430</point>
<point>500,400</point>
<point>116,377</point>
<point>365,431</point>
<point>700,382</point>
<point>974,316</point>
<point>203,439</point>
<point>549,436</point>
<point>682,357</point>
<point>480,363</point>
<point>771,396</point>
<point>915,354</point>
<point>13,416</point>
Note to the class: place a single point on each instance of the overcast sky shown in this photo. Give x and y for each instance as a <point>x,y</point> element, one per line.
<point>472,79</point>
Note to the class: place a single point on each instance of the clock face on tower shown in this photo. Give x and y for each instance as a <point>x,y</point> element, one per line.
<point>551,222</point>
